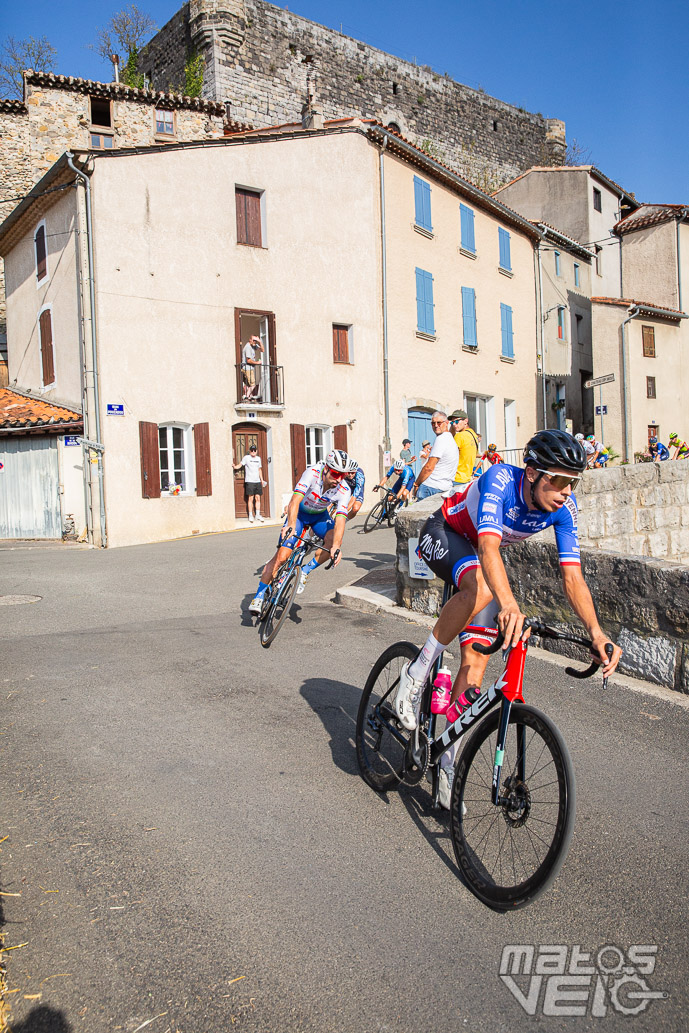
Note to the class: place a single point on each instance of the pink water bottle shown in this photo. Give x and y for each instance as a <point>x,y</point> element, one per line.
<point>442,690</point>
<point>461,703</point>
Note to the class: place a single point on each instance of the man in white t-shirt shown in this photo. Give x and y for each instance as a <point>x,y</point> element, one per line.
<point>251,367</point>
<point>438,471</point>
<point>253,483</point>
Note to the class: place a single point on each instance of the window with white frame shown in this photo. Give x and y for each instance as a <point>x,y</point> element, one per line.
<point>318,443</point>
<point>175,451</point>
<point>41,253</point>
<point>165,122</point>
<point>561,335</point>
<point>481,412</point>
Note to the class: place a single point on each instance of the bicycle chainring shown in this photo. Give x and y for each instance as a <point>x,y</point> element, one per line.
<point>416,761</point>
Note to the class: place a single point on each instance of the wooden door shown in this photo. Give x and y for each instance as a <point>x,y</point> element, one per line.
<point>243,436</point>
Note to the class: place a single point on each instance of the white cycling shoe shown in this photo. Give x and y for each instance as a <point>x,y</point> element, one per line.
<point>302,583</point>
<point>407,699</point>
<point>446,777</point>
<point>256,604</point>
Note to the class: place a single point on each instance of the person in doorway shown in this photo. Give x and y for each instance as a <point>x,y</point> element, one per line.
<point>251,363</point>
<point>438,470</point>
<point>406,455</point>
<point>425,451</point>
<point>253,483</point>
<point>467,443</point>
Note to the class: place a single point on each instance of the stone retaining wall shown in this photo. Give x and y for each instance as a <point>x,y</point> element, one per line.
<point>642,601</point>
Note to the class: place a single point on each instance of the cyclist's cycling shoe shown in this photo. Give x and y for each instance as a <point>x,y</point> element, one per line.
<point>302,583</point>
<point>407,699</point>
<point>256,604</point>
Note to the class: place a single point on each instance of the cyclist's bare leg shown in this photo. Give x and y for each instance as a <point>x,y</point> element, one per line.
<point>471,597</point>
<point>324,554</point>
<point>271,566</point>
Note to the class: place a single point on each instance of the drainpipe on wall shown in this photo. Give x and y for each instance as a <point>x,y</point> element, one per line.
<point>633,311</point>
<point>541,322</point>
<point>84,179</point>
<point>386,394</point>
<point>682,218</point>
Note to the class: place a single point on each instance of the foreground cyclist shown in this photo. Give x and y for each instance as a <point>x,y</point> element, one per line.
<point>505,505</point>
<point>318,488</point>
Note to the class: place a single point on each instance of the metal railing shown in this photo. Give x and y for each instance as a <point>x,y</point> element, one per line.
<point>259,384</point>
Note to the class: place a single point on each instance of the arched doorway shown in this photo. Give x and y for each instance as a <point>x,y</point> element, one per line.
<point>243,436</point>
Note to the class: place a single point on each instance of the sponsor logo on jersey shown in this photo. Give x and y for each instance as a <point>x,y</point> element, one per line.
<point>489,507</point>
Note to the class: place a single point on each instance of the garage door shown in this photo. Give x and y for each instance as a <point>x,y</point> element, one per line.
<point>29,488</point>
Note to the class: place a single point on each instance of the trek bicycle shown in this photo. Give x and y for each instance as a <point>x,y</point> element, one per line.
<point>513,799</point>
<point>383,510</point>
<point>280,593</point>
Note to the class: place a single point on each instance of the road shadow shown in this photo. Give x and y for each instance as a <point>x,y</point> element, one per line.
<point>336,703</point>
<point>371,560</point>
<point>42,1019</point>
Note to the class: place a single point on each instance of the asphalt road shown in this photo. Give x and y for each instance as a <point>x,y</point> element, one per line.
<point>196,852</point>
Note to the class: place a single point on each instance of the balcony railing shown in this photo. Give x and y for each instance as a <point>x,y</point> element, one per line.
<point>259,385</point>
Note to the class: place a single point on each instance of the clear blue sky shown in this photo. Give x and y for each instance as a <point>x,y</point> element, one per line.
<point>617,73</point>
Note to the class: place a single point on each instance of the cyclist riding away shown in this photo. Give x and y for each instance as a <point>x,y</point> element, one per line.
<point>318,488</point>
<point>461,543</point>
<point>402,485</point>
<point>356,481</point>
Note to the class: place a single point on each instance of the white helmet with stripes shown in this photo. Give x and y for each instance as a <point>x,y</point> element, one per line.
<point>338,460</point>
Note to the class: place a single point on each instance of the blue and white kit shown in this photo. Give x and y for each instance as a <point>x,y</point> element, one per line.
<point>405,479</point>
<point>356,485</point>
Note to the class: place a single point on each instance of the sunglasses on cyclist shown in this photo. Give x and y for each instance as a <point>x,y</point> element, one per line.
<point>560,480</point>
<point>336,474</point>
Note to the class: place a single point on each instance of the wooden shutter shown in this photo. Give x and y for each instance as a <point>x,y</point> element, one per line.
<point>648,335</point>
<point>340,343</point>
<point>340,436</point>
<point>248,204</point>
<point>41,254</point>
<point>202,454</point>
<point>467,228</point>
<point>469,317</point>
<point>150,460</point>
<point>297,433</point>
<point>45,325</point>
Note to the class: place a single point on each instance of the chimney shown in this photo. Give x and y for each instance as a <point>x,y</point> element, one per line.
<point>311,117</point>
<point>116,66</point>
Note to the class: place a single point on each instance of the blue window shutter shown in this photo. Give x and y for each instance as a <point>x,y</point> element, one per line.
<point>424,302</point>
<point>469,316</point>
<point>507,333</point>
<point>576,275</point>
<point>557,263</point>
<point>505,259</point>
<point>422,204</point>
<point>467,228</point>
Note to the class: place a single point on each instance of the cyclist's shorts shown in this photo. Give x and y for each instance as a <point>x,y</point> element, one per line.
<point>321,523</point>
<point>450,555</point>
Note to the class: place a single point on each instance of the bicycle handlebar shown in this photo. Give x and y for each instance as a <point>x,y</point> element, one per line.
<point>332,561</point>
<point>545,631</point>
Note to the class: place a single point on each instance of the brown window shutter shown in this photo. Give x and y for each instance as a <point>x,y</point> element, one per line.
<point>297,433</point>
<point>45,324</point>
<point>41,253</point>
<point>648,335</point>
<point>150,460</point>
<point>241,216</point>
<point>248,204</point>
<point>340,436</point>
<point>202,452</point>
<point>340,344</point>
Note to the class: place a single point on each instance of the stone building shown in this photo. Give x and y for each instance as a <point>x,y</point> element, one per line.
<point>60,113</point>
<point>257,58</point>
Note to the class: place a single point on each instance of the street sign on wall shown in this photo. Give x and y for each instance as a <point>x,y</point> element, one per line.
<point>601,410</point>
<point>597,381</point>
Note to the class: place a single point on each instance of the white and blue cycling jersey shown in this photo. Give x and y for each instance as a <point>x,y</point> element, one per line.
<point>405,479</point>
<point>356,485</point>
<point>494,504</point>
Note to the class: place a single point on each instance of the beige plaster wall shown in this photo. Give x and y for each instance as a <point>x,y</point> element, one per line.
<point>71,467</point>
<point>670,368</point>
<point>649,265</point>
<point>26,299</point>
<point>169,275</point>
<point>439,372</point>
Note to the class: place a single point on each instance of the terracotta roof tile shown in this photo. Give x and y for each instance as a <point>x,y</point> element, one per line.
<point>647,305</point>
<point>649,215</point>
<point>19,411</point>
<point>118,89</point>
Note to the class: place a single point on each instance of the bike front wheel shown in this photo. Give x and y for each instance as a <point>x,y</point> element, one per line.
<point>510,853</point>
<point>380,739</point>
<point>374,517</point>
<point>280,607</point>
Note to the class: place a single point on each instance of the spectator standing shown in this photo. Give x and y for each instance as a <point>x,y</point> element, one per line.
<point>253,483</point>
<point>438,470</point>
<point>425,451</point>
<point>251,363</point>
<point>406,454</point>
<point>467,444</point>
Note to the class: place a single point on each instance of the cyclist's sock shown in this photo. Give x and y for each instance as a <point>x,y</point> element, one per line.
<point>262,585</point>
<point>447,759</point>
<point>311,565</point>
<point>431,651</point>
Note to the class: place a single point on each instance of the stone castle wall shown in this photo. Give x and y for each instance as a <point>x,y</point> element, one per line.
<point>258,57</point>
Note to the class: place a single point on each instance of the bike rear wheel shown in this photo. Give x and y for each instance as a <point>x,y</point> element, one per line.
<point>380,739</point>
<point>280,607</point>
<point>375,517</point>
<point>509,854</point>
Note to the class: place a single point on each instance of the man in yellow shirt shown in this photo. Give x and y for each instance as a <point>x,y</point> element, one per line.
<point>467,443</point>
